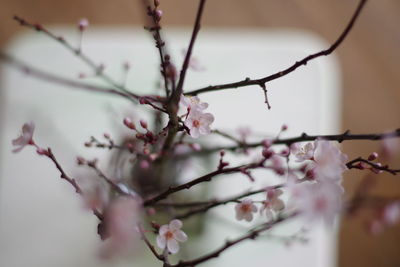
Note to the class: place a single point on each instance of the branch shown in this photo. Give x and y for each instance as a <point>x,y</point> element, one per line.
<point>48,77</point>
<point>70,180</point>
<point>205,178</point>
<point>262,81</point>
<point>160,44</point>
<point>216,203</point>
<point>346,136</point>
<point>249,236</point>
<point>196,30</point>
<point>173,103</point>
<point>76,51</point>
<point>359,162</point>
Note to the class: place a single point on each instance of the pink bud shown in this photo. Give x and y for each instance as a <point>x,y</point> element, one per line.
<point>284,127</point>
<point>158,14</point>
<point>143,124</point>
<point>83,24</point>
<point>267,153</point>
<point>106,135</point>
<point>42,151</point>
<point>373,156</point>
<point>128,123</point>
<point>267,143</point>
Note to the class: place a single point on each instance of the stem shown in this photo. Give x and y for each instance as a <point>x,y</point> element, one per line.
<point>262,81</point>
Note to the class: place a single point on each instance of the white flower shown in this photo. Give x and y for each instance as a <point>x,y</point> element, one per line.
<point>330,162</point>
<point>193,103</point>
<point>169,235</point>
<point>25,138</point>
<point>272,203</point>
<point>317,200</point>
<point>305,153</point>
<point>245,209</point>
<point>199,123</point>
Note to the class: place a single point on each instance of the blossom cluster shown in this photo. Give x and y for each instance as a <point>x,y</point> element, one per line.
<point>196,120</point>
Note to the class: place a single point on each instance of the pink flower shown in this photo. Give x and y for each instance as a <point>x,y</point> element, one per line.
<point>199,123</point>
<point>272,203</point>
<point>330,162</point>
<point>169,235</point>
<point>193,103</point>
<point>245,209</point>
<point>317,200</point>
<point>305,153</point>
<point>25,138</point>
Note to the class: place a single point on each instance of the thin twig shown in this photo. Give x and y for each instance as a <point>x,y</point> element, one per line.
<point>205,178</point>
<point>252,235</point>
<point>72,181</point>
<point>262,81</point>
<point>48,77</point>
<point>76,51</point>
<point>346,136</point>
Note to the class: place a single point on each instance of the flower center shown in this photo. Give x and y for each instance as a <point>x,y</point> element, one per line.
<point>169,235</point>
<point>196,123</point>
<point>245,208</point>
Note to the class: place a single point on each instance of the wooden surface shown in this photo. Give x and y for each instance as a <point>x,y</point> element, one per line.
<point>369,57</point>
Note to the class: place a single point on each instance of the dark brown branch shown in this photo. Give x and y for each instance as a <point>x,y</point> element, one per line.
<point>355,164</point>
<point>72,181</point>
<point>262,81</point>
<point>346,136</point>
<point>205,178</point>
<point>249,236</point>
<point>155,27</point>
<point>114,186</point>
<point>186,61</point>
<point>216,203</point>
<point>150,246</point>
<point>173,103</point>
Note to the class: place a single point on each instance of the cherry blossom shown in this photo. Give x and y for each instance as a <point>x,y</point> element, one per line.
<point>330,162</point>
<point>169,235</point>
<point>193,103</point>
<point>272,203</point>
<point>25,138</point>
<point>245,209</point>
<point>199,123</point>
<point>316,201</point>
<point>305,153</point>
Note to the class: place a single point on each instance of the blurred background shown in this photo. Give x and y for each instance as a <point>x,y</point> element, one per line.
<point>369,60</point>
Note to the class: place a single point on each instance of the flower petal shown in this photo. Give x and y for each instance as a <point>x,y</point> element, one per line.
<point>175,224</point>
<point>172,246</point>
<point>161,241</point>
<point>180,236</point>
<point>163,229</point>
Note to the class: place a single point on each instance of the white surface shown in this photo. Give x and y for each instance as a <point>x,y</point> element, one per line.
<point>42,222</point>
